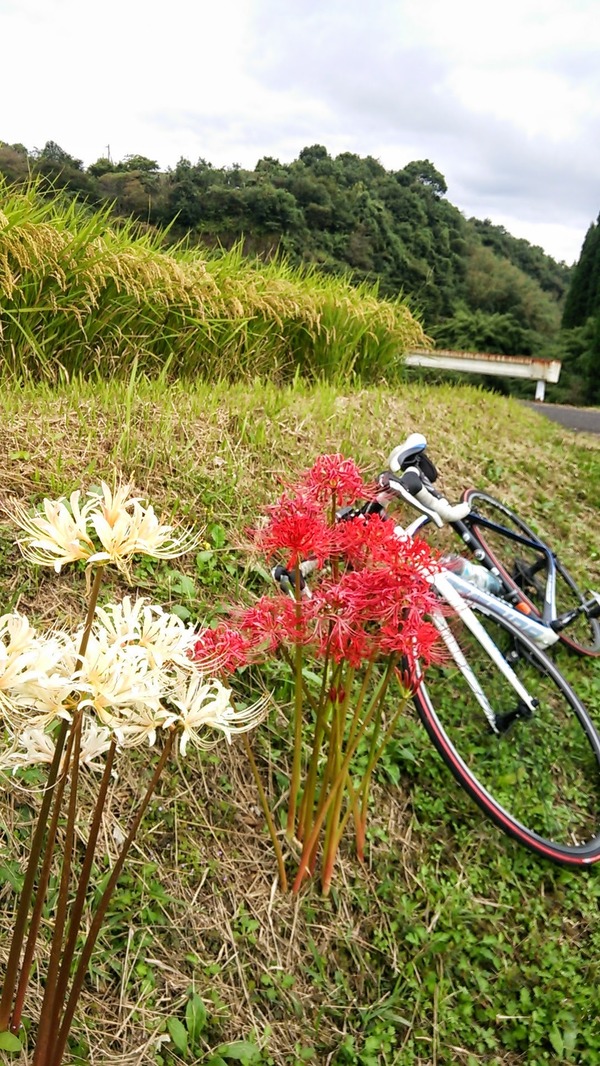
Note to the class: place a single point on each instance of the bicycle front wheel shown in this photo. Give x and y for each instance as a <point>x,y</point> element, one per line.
<point>525,570</point>
<point>538,778</point>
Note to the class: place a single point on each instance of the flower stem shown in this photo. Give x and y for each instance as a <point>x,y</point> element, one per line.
<point>36,917</point>
<point>56,1055</point>
<point>297,754</point>
<point>47,1010</point>
<point>12,965</point>
<point>357,734</point>
<point>308,798</point>
<point>267,813</point>
<point>82,885</point>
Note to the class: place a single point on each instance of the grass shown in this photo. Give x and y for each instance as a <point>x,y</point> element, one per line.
<point>452,945</point>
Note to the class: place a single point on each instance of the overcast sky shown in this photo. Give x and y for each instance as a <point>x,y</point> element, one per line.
<point>504,98</point>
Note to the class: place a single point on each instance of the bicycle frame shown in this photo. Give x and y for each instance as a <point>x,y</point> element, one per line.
<point>536,628</point>
<point>549,613</point>
<point>458,593</point>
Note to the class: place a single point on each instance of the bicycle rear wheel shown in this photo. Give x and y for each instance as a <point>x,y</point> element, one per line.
<point>525,569</point>
<point>539,780</point>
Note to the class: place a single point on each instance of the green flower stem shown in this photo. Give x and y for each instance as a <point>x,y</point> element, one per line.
<point>361,698</point>
<point>297,755</point>
<point>60,916</point>
<point>267,813</point>
<point>54,1058</point>
<point>82,886</point>
<point>362,798</point>
<point>323,709</point>
<point>358,733</point>
<point>332,836</point>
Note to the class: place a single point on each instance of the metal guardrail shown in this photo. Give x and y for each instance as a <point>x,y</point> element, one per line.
<point>508,366</point>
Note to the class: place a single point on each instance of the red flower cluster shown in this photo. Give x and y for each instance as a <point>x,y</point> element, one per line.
<point>334,479</point>
<point>297,527</point>
<point>372,602</point>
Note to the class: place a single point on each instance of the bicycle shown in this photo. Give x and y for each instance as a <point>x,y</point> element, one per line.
<point>530,573</point>
<point>503,718</point>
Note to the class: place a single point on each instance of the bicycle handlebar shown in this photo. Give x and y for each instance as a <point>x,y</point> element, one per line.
<point>412,485</point>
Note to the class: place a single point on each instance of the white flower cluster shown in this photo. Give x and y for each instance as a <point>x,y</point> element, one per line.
<point>107,527</point>
<point>134,678</point>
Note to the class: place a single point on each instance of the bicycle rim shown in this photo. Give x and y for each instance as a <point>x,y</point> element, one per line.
<point>540,779</point>
<point>525,570</point>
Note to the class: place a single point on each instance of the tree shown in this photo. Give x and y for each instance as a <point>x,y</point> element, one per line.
<point>583,297</point>
<point>425,173</point>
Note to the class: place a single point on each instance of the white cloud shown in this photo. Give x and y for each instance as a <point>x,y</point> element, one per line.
<point>504,100</point>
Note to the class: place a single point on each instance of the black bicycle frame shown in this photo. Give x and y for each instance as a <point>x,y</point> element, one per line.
<point>463,528</point>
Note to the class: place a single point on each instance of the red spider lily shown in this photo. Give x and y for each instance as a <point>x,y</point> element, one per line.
<point>331,477</point>
<point>225,646</point>
<point>364,621</point>
<point>372,538</point>
<point>297,527</point>
<point>273,621</point>
<point>420,639</point>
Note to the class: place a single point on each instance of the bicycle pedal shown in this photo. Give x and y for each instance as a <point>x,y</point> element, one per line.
<point>594,612</point>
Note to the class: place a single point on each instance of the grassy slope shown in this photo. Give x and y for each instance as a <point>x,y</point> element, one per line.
<point>453,945</point>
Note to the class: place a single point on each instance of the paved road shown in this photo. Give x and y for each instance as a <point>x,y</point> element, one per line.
<point>581,419</point>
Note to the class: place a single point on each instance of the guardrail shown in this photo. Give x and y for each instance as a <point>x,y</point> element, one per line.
<point>508,366</point>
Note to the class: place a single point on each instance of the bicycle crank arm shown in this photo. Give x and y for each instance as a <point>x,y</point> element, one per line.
<point>591,609</point>
<point>504,721</point>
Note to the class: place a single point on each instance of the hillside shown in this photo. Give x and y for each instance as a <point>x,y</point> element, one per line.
<point>450,944</point>
<point>473,285</point>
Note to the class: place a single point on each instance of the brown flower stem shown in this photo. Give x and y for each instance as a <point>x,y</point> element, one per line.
<point>267,813</point>
<point>55,1055</point>
<point>55,794</point>
<point>45,1026</point>
<point>37,843</point>
<point>82,886</point>
<point>12,966</point>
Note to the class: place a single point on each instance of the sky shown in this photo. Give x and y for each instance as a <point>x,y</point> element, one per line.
<point>502,98</point>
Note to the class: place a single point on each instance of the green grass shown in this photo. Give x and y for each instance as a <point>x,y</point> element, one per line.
<point>452,945</point>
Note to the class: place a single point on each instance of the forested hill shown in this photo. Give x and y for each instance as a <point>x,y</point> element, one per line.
<point>473,284</point>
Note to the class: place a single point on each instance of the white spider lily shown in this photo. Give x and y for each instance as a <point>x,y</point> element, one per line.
<point>30,669</point>
<point>55,535</point>
<point>114,679</point>
<point>37,747</point>
<point>140,727</point>
<point>205,704</point>
<point>164,636</point>
<point>131,528</point>
<point>109,526</point>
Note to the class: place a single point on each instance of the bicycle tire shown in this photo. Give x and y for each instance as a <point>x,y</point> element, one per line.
<point>517,564</point>
<point>540,780</point>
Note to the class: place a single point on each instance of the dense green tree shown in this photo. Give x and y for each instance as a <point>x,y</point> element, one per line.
<point>583,297</point>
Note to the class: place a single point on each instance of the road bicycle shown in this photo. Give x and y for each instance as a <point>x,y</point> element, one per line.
<point>531,575</point>
<point>505,721</point>
<point>508,725</point>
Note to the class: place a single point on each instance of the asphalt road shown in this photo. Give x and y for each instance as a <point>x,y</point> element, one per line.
<point>580,419</point>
